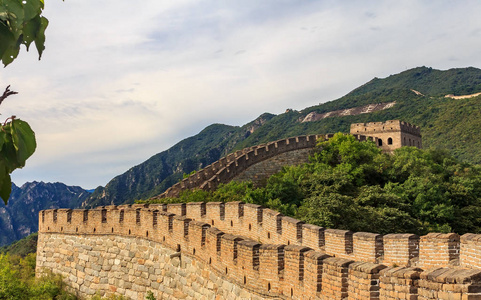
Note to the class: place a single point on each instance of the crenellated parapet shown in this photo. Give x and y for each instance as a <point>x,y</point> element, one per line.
<point>272,255</point>
<point>255,163</point>
<point>388,126</point>
<point>227,168</point>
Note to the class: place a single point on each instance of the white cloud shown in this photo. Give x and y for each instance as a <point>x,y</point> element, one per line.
<point>121,81</point>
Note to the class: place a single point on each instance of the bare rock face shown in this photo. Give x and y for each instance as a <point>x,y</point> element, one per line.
<point>261,120</point>
<point>313,116</point>
<point>20,217</point>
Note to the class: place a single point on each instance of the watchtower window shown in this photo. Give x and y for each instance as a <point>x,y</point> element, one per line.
<point>86,215</point>
<point>389,141</point>
<point>121,216</point>
<point>137,216</point>
<point>155,217</point>
<point>379,142</point>
<point>69,216</point>
<point>104,216</point>
<point>54,215</point>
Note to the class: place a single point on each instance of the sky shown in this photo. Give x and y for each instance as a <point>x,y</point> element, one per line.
<point>120,81</point>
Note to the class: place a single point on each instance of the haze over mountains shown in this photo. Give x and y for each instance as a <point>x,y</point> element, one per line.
<point>416,96</point>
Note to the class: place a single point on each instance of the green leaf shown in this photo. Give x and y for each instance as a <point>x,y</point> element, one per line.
<point>6,38</point>
<point>40,37</point>
<point>16,17</point>
<point>32,9</point>
<point>8,153</point>
<point>23,140</point>
<point>3,14</point>
<point>10,54</point>
<point>30,31</point>
<point>2,137</point>
<point>5,183</point>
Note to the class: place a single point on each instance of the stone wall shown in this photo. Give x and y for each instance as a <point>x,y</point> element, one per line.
<point>245,248</point>
<point>259,172</point>
<point>131,266</point>
<point>234,164</point>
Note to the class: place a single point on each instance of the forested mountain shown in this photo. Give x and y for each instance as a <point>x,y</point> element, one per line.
<point>20,217</point>
<point>164,169</point>
<point>419,96</point>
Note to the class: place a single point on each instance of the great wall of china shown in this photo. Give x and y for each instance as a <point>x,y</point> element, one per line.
<point>236,250</point>
<point>243,251</point>
<point>259,162</point>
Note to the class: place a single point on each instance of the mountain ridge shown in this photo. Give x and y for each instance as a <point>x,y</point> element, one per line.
<point>437,116</point>
<point>20,217</point>
<point>411,107</point>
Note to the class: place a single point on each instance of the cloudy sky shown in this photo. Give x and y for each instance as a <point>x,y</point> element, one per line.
<point>121,80</point>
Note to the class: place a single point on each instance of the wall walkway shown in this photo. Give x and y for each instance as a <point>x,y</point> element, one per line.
<point>254,163</point>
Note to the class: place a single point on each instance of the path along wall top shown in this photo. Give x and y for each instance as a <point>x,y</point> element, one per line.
<point>234,164</point>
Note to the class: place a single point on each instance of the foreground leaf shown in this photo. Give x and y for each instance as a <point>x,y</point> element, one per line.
<point>23,140</point>
<point>5,186</point>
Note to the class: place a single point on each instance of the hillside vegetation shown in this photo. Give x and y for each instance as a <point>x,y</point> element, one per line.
<point>22,247</point>
<point>352,185</point>
<point>437,116</point>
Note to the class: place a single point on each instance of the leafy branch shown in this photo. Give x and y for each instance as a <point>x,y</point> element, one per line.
<point>21,23</point>
<point>17,143</point>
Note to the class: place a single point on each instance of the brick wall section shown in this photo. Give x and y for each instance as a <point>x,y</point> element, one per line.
<point>438,249</point>
<point>449,283</point>
<point>313,275</point>
<point>266,270</point>
<point>335,276</point>
<point>338,242</point>
<point>313,236</point>
<point>400,248</point>
<point>271,225</point>
<point>271,257</point>
<point>399,283</point>
<point>295,266</point>
<point>367,246</point>
<point>470,251</point>
<point>364,280</point>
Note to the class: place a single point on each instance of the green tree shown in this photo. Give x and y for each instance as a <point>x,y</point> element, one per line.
<point>353,185</point>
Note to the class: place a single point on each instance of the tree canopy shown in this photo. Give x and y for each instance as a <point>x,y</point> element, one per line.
<point>353,185</point>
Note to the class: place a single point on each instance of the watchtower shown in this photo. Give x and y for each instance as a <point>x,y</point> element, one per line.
<point>391,134</point>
